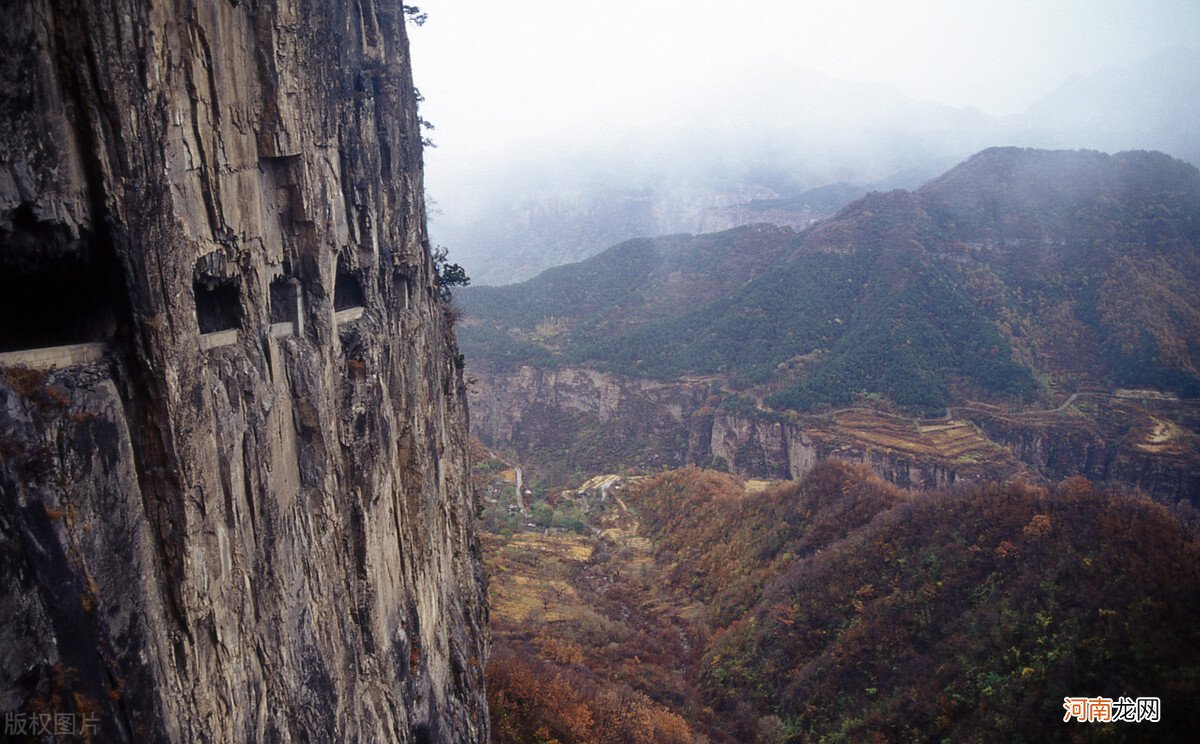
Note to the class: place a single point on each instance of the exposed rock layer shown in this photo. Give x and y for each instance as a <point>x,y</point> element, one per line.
<point>578,419</point>
<point>269,540</point>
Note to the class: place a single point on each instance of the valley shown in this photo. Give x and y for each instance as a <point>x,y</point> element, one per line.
<point>1027,314</point>
<point>688,606</point>
<point>909,474</point>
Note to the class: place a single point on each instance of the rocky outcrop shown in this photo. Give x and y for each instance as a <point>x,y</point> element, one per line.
<point>577,419</point>
<point>759,447</point>
<point>249,517</point>
<point>573,419</point>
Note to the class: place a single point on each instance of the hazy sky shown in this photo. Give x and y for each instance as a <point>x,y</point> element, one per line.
<point>497,73</point>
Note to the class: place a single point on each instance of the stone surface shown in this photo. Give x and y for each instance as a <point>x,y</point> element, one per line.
<point>52,357</point>
<point>578,420</point>
<point>271,540</point>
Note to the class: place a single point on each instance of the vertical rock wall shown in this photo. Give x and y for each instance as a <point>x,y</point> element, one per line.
<point>264,534</point>
<point>574,419</point>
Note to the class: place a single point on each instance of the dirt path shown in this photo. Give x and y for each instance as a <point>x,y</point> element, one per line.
<point>949,415</point>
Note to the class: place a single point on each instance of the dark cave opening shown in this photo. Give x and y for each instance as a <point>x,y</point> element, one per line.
<point>283,300</point>
<point>55,290</point>
<point>422,734</point>
<point>347,289</point>
<point>218,307</point>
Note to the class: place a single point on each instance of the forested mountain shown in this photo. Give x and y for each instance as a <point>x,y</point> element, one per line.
<point>572,307</point>
<point>842,608</point>
<point>853,610</point>
<point>1014,270</point>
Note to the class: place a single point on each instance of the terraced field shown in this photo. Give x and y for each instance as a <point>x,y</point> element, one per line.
<point>956,441</point>
<point>530,576</point>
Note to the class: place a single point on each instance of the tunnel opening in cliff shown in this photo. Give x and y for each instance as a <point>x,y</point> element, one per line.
<point>347,289</point>
<point>56,289</point>
<point>283,298</point>
<point>218,306</point>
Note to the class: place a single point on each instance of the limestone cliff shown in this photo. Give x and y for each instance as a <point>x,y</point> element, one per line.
<point>569,419</point>
<point>578,419</point>
<point>235,503</point>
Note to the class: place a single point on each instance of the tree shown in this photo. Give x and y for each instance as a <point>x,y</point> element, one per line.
<point>415,15</point>
<point>447,274</point>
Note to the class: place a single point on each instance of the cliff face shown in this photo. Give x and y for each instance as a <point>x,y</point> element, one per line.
<point>578,419</point>
<point>1151,443</point>
<point>241,511</point>
<point>581,419</point>
<point>759,448</point>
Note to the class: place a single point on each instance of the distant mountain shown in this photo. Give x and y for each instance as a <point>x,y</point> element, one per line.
<point>769,136</point>
<point>559,203</point>
<point>823,199</point>
<point>552,229</point>
<point>517,238</point>
<point>1152,104</point>
<point>563,310</point>
<point>1014,269</point>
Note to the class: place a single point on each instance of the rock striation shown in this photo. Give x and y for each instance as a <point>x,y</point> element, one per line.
<point>244,513</point>
<point>567,420</point>
<point>578,419</point>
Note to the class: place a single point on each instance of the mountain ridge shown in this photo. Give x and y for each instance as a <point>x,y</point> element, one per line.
<point>904,254</point>
<point>698,172</point>
<point>965,302</point>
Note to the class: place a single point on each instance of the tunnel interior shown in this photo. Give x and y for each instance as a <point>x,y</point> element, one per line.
<point>218,306</point>
<point>283,300</point>
<point>347,289</point>
<point>56,289</point>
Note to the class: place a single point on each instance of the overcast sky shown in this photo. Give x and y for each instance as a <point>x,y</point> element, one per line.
<point>497,73</point>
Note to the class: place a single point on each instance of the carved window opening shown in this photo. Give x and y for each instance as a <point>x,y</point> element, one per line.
<point>347,289</point>
<point>422,734</point>
<point>287,314</point>
<point>283,300</point>
<point>55,289</point>
<point>218,306</point>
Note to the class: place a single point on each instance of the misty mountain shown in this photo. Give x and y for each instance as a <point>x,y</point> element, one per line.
<point>1153,104</point>
<point>758,136</point>
<point>755,142</point>
<point>1014,268</point>
<point>625,287</point>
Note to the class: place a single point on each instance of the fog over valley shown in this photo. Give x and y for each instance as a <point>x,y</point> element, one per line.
<point>833,367</point>
<point>561,132</point>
